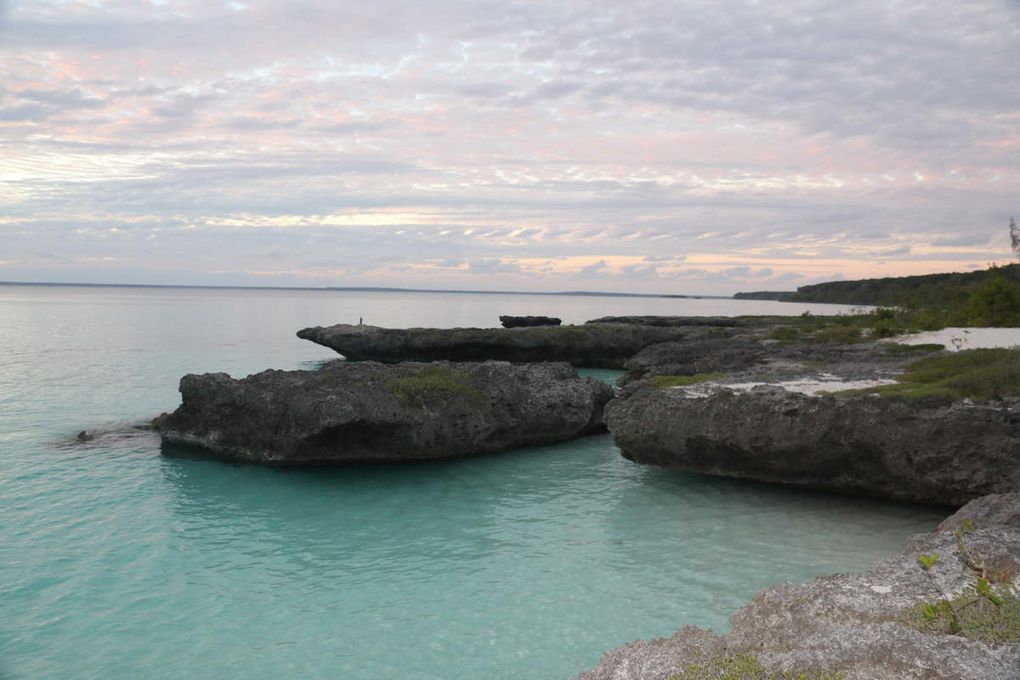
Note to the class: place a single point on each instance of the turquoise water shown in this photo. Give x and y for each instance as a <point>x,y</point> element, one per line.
<point>119,562</point>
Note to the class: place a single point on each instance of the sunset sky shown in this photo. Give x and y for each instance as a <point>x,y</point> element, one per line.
<point>647,146</point>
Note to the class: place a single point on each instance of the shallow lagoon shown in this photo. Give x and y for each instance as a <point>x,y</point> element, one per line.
<point>119,562</point>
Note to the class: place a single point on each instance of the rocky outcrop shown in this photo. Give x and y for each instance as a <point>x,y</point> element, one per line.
<point>668,321</point>
<point>856,443</point>
<point>858,625</point>
<point>697,355</point>
<point>528,321</point>
<point>352,412</point>
<point>1000,509</point>
<point>594,345</point>
<point>760,321</point>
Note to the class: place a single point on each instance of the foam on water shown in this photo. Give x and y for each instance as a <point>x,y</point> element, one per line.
<point>119,562</point>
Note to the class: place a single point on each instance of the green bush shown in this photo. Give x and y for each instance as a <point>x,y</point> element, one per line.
<point>744,667</point>
<point>996,303</point>
<point>972,615</point>
<point>839,334</point>
<point>987,610</point>
<point>897,349</point>
<point>434,381</point>
<point>979,374</point>
<point>784,333</point>
<point>684,380</point>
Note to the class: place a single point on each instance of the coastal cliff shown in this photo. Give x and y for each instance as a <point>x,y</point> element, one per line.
<point>592,345</point>
<point>869,626</point>
<point>937,452</point>
<point>353,412</point>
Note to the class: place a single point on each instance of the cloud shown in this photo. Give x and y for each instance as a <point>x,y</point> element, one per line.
<point>383,139</point>
<point>493,266</point>
<point>593,269</point>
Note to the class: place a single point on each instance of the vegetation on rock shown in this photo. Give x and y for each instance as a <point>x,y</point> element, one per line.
<point>414,391</point>
<point>988,610</point>
<point>897,349</point>
<point>979,374</point>
<point>684,380</point>
<point>744,667</point>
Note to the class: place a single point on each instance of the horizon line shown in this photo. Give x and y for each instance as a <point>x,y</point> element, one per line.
<point>364,289</point>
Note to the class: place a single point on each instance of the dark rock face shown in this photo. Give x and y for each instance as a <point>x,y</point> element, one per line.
<point>594,345</point>
<point>350,412</point>
<point>697,355</point>
<point>1000,509</point>
<point>667,321</point>
<point>528,321</point>
<point>850,623</point>
<point>855,443</point>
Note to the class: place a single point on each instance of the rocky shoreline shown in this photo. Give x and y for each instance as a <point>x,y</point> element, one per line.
<point>358,412</point>
<point>946,453</point>
<point>740,397</point>
<point>591,345</point>
<point>859,626</point>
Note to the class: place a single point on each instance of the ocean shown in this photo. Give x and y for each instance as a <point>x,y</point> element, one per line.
<point>119,562</point>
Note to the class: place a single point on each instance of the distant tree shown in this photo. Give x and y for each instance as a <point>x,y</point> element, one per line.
<point>996,303</point>
<point>1014,235</point>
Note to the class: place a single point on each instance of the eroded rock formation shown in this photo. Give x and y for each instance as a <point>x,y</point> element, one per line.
<point>351,412</point>
<point>859,625</point>
<point>595,345</point>
<point>858,443</point>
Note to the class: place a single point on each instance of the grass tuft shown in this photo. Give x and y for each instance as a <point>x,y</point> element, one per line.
<point>971,615</point>
<point>684,380</point>
<point>434,381</point>
<point>744,667</point>
<point>897,349</point>
<point>979,374</point>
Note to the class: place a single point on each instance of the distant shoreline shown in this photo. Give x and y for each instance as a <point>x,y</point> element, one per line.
<point>367,289</point>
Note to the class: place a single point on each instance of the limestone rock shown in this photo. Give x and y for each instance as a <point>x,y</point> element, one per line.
<point>351,412</point>
<point>856,443</point>
<point>594,345</point>
<point>853,624</point>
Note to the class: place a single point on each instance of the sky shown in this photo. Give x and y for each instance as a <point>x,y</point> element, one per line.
<point>682,146</point>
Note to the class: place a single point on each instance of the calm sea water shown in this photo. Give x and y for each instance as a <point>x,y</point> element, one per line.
<point>117,562</point>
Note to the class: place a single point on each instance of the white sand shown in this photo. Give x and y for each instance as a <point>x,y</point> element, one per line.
<point>956,339</point>
<point>810,386</point>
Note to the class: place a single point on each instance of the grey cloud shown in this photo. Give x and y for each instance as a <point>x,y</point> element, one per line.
<point>744,272</point>
<point>593,269</point>
<point>961,240</point>
<point>549,129</point>
<point>493,266</point>
<point>556,89</point>
<point>22,112</point>
<point>665,258</point>
<point>894,252</point>
<point>249,123</point>
<point>487,90</point>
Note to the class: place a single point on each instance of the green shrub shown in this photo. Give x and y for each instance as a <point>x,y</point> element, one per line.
<point>684,380</point>
<point>434,381</point>
<point>784,333</point>
<point>972,615</point>
<point>987,610</point>
<point>996,303</point>
<point>744,667</point>
<point>897,349</point>
<point>979,374</point>
<point>840,334</point>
